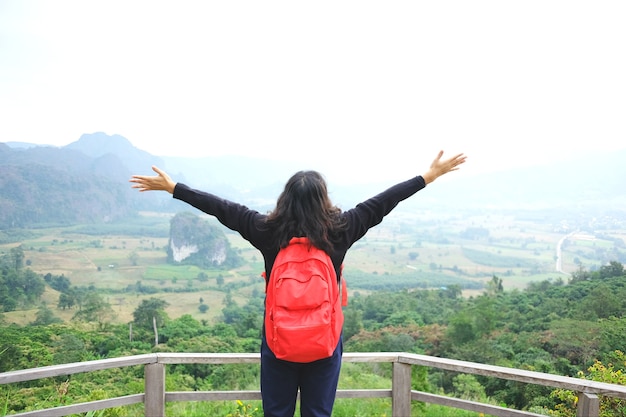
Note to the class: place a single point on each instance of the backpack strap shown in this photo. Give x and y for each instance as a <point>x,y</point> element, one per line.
<point>344,285</point>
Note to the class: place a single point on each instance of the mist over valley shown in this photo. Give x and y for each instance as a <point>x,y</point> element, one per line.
<point>73,212</point>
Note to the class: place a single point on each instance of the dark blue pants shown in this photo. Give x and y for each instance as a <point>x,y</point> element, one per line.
<point>317,382</point>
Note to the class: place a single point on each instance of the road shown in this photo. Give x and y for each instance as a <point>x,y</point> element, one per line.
<point>559,254</point>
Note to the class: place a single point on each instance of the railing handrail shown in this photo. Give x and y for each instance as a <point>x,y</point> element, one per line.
<point>75,368</point>
<point>518,375</point>
<point>402,364</point>
<point>512,374</point>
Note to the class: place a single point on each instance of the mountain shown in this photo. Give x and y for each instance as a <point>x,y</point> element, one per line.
<point>84,182</point>
<point>87,180</point>
<point>100,145</point>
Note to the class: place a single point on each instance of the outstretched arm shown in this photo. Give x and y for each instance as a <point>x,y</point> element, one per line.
<point>160,182</point>
<point>440,167</point>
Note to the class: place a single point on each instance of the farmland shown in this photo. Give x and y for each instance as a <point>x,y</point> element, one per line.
<point>127,262</point>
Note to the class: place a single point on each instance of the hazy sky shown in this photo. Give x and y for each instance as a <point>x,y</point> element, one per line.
<point>356,85</point>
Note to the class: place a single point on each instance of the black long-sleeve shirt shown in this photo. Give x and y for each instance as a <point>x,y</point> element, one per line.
<point>249,223</point>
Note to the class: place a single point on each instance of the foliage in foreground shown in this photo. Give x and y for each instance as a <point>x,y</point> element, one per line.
<point>613,372</point>
<point>568,329</point>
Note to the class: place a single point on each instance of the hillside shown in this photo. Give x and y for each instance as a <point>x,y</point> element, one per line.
<point>87,181</point>
<point>73,184</point>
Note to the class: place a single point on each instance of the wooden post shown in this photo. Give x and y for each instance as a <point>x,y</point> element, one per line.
<point>588,405</point>
<point>401,390</point>
<point>154,401</point>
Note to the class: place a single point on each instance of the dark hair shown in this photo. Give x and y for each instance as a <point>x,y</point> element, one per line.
<point>304,209</point>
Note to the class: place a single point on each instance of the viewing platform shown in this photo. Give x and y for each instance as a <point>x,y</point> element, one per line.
<point>155,396</point>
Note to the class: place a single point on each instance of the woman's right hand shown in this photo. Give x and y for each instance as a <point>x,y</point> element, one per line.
<point>439,167</point>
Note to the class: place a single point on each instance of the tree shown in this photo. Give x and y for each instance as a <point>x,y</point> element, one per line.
<point>58,282</point>
<point>453,291</point>
<point>149,309</point>
<point>466,386</point>
<point>45,316</point>
<point>601,302</point>
<point>461,329</point>
<point>353,323</point>
<point>95,309</point>
<point>495,286</point>
<point>133,257</point>
<point>613,269</point>
<point>69,348</point>
<point>33,285</point>
<point>18,286</point>
<point>232,312</point>
<point>612,334</point>
<point>16,258</point>
<point>485,314</point>
<point>66,301</point>
<point>574,339</point>
<point>403,318</point>
<point>581,274</point>
<point>183,328</point>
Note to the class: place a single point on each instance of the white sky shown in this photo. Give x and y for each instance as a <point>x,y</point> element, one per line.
<point>377,86</point>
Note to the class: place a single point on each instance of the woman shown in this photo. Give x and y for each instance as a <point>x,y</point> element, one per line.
<point>303,209</point>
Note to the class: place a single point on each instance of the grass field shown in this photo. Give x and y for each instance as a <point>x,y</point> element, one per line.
<point>405,248</point>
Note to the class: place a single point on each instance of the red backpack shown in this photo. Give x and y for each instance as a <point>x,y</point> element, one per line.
<point>303,315</point>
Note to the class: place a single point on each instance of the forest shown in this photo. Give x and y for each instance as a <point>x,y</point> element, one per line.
<point>574,327</point>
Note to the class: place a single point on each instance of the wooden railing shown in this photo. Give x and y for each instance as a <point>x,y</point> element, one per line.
<point>155,397</point>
